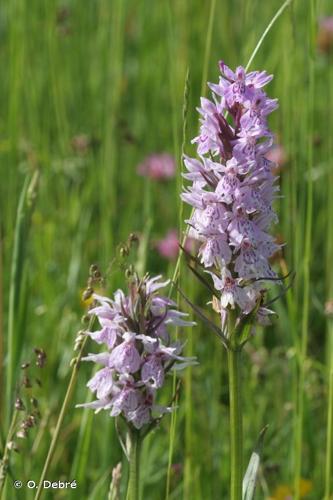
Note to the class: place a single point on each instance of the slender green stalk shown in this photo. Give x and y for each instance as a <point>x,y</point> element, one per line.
<point>263,36</point>
<point>189,464</point>
<point>329,277</point>
<point>185,107</point>
<point>15,341</point>
<point>329,439</point>
<point>56,87</point>
<point>208,47</point>
<point>14,293</point>
<point>302,355</point>
<point>112,17</point>
<point>55,437</point>
<point>134,446</point>
<point>177,272</point>
<point>5,459</point>
<point>172,435</point>
<point>2,338</point>
<point>236,424</point>
<point>62,413</point>
<point>82,455</point>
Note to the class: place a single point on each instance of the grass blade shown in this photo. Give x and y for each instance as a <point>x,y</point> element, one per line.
<point>250,478</point>
<point>15,334</point>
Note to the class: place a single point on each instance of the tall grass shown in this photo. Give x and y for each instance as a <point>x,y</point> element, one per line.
<point>115,71</point>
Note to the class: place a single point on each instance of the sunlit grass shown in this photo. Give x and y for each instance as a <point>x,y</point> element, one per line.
<point>115,71</point>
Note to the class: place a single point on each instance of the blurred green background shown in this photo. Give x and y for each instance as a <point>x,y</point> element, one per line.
<point>87,90</point>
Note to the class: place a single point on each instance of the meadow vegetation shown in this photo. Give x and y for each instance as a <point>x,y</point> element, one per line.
<point>88,90</point>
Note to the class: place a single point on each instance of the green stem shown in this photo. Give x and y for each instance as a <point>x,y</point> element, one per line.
<point>308,242</point>
<point>66,401</point>
<point>329,435</point>
<point>5,459</point>
<point>236,424</point>
<point>328,462</point>
<point>267,30</point>
<point>134,446</point>
<point>14,343</point>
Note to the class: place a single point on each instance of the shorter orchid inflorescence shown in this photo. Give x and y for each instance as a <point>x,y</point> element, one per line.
<point>139,354</point>
<point>233,189</point>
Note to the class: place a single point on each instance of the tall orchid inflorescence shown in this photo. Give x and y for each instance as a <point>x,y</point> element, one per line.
<point>139,354</point>
<point>233,188</point>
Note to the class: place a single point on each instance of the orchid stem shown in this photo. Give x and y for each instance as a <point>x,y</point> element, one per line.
<point>134,447</point>
<point>236,424</point>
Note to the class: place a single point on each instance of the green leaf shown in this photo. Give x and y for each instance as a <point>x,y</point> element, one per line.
<point>243,329</point>
<point>250,478</point>
<point>206,320</point>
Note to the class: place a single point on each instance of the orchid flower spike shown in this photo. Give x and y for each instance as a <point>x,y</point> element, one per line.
<point>139,353</point>
<point>233,188</point>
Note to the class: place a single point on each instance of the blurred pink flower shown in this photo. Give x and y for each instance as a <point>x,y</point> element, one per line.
<point>157,166</point>
<point>325,34</point>
<point>277,154</point>
<point>168,247</point>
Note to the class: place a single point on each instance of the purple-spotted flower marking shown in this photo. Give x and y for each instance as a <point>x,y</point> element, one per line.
<point>233,189</point>
<point>140,353</point>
